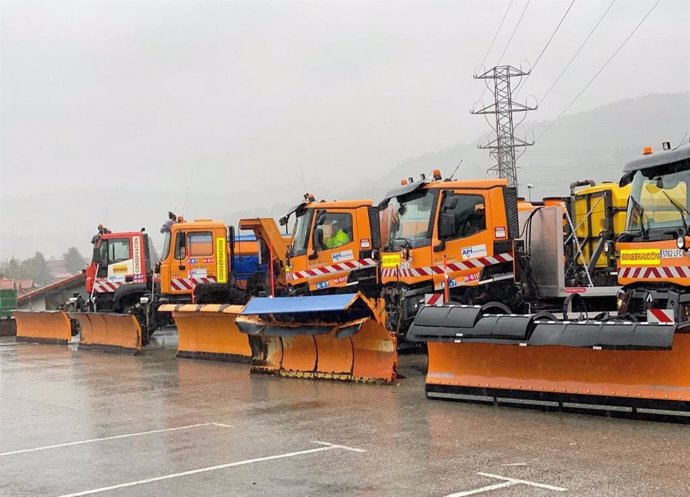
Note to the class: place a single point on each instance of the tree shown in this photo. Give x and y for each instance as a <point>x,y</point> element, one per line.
<point>74,261</point>
<point>11,269</point>
<point>36,268</point>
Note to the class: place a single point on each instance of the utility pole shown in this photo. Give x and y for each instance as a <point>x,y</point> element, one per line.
<point>502,147</point>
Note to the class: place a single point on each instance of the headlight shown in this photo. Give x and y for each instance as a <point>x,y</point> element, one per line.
<point>609,247</point>
<point>680,242</point>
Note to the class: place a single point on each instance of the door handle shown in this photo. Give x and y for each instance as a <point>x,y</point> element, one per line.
<point>181,268</point>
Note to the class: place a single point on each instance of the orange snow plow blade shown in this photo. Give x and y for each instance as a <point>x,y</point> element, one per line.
<point>43,327</point>
<point>336,337</point>
<point>108,332</point>
<point>208,331</point>
<point>600,365</point>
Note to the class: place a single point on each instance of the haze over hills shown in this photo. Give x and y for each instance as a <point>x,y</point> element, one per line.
<point>592,145</point>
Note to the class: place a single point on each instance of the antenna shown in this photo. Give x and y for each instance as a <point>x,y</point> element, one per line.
<point>456,169</point>
<point>304,183</point>
<point>107,208</point>
<point>186,195</point>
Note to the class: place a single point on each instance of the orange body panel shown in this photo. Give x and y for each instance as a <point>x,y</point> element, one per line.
<point>648,261</point>
<point>109,332</point>
<point>375,352</point>
<point>43,326</point>
<point>635,374</point>
<point>299,356</point>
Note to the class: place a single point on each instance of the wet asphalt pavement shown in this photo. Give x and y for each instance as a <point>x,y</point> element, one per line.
<point>87,423</point>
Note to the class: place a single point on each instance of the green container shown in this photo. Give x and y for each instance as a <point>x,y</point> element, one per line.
<point>8,302</point>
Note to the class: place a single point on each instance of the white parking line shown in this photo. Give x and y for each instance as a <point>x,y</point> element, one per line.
<point>507,482</point>
<point>325,446</point>
<point>126,435</point>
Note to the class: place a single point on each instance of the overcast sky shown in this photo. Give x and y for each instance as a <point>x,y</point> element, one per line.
<point>250,96</point>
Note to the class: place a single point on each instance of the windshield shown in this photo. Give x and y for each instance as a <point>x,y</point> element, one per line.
<point>659,198</point>
<point>408,221</point>
<point>300,233</point>
<point>166,245</point>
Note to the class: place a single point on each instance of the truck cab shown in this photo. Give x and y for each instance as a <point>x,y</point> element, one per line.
<point>439,232</point>
<point>194,253</point>
<point>120,270</point>
<point>333,247</point>
<point>652,253</point>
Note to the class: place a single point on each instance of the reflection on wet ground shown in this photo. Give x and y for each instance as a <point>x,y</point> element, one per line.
<point>157,425</point>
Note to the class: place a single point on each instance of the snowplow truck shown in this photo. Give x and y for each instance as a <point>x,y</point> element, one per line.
<point>112,317</point>
<point>472,242</point>
<point>326,320</point>
<point>635,360</point>
<point>207,273</point>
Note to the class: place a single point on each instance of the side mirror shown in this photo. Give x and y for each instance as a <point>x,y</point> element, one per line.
<point>446,226</point>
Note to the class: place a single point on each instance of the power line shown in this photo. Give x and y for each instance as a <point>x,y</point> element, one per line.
<point>577,52</point>
<point>522,14</point>
<point>546,46</point>
<point>514,31</point>
<point>600,70</point>
<point>497,31</point>
<point>552,35</point>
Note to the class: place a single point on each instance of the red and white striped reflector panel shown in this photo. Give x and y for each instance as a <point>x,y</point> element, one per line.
<point>433,299</point>
<point>660,315</point>
<point>451,267</point>
<point>340,267</point>
<point>654,272</point>
<point>188,284</point>
<point>105,286</point>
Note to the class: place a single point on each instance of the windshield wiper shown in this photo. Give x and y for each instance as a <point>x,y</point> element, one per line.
<point>680,208</point>
<point>640,210</point>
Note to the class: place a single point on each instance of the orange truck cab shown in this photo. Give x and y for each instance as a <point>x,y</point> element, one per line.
<point>457,233</point>
<point>193,253</point>
<point>121,269</point>
<point>333,247</point>
<point>206,262</point>
<point>652,253</point>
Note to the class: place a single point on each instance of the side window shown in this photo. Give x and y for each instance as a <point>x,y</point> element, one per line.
<point>118,250</point>
<point>337,229</point>
<point>181,245</point>
<point>468,214</point>
<point>200,244</point>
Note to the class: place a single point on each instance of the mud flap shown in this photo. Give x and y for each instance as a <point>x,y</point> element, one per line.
<point>610,365</point>
<point>43,327</point>
<point>108,332</point>
<point>208,331</point>
<point>336,337</point>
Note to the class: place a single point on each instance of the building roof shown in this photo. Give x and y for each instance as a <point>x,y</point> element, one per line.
<point>72,281</point>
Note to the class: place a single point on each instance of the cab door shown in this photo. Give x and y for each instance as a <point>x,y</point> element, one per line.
<point>198,256</point>
<point>462,236</point>
<point>332,243</point>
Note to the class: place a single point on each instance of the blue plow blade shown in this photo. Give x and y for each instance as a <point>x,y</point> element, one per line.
<point>292,305</point>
